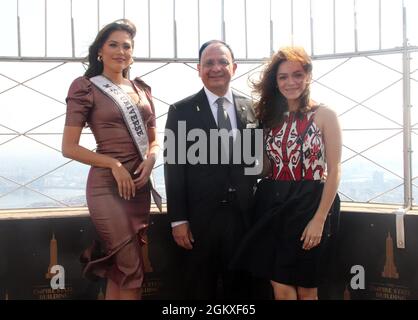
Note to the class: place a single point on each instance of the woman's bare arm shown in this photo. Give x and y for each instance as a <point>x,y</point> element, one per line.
<point>72,149</point>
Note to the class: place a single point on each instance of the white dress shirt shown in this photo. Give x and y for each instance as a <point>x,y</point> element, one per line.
<point>228,106</point>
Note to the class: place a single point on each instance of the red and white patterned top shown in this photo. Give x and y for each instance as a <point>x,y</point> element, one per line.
<point>283,147</point>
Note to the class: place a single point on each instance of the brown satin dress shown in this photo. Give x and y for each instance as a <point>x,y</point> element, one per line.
<point>120,223</point>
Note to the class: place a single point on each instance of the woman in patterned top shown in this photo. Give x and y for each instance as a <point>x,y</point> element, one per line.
<point>302,140</point>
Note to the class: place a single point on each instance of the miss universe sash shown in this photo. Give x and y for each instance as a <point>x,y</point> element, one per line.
<point>133,121</point>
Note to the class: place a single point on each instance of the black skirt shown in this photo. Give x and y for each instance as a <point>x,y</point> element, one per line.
<point>272,249</point>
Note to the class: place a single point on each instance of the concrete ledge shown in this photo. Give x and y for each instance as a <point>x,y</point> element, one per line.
<point>83,211</point>
<point>55,213</point>
<point>373,208</point>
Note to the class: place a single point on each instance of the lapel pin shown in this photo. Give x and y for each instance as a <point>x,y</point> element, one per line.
<point>197,108</point>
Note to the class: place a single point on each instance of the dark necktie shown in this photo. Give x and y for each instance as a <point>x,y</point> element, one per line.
<point>224,122</point>
<point>223,119</point>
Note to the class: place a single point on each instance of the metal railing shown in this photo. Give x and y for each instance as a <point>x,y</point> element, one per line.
<point>404,51</point>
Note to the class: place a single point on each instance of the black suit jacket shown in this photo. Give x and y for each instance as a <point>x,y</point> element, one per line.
<point>194,191</point>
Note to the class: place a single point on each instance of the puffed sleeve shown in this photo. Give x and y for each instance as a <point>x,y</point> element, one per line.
<point>79,102</point>
<point>148,111</point>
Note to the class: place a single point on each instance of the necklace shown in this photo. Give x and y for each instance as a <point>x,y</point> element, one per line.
<point>108,78</point>
<point>131,93</point>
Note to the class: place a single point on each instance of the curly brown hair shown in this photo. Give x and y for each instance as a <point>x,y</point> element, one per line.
<point>272,104</point>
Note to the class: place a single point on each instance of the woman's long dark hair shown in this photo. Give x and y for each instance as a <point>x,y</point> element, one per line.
<point>272,104</point>
<point>96,67</point>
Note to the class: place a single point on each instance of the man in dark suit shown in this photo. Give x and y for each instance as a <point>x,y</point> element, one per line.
<point>208,200</point>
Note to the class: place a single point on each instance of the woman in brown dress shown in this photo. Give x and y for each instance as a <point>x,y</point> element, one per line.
<point>118,188</point>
